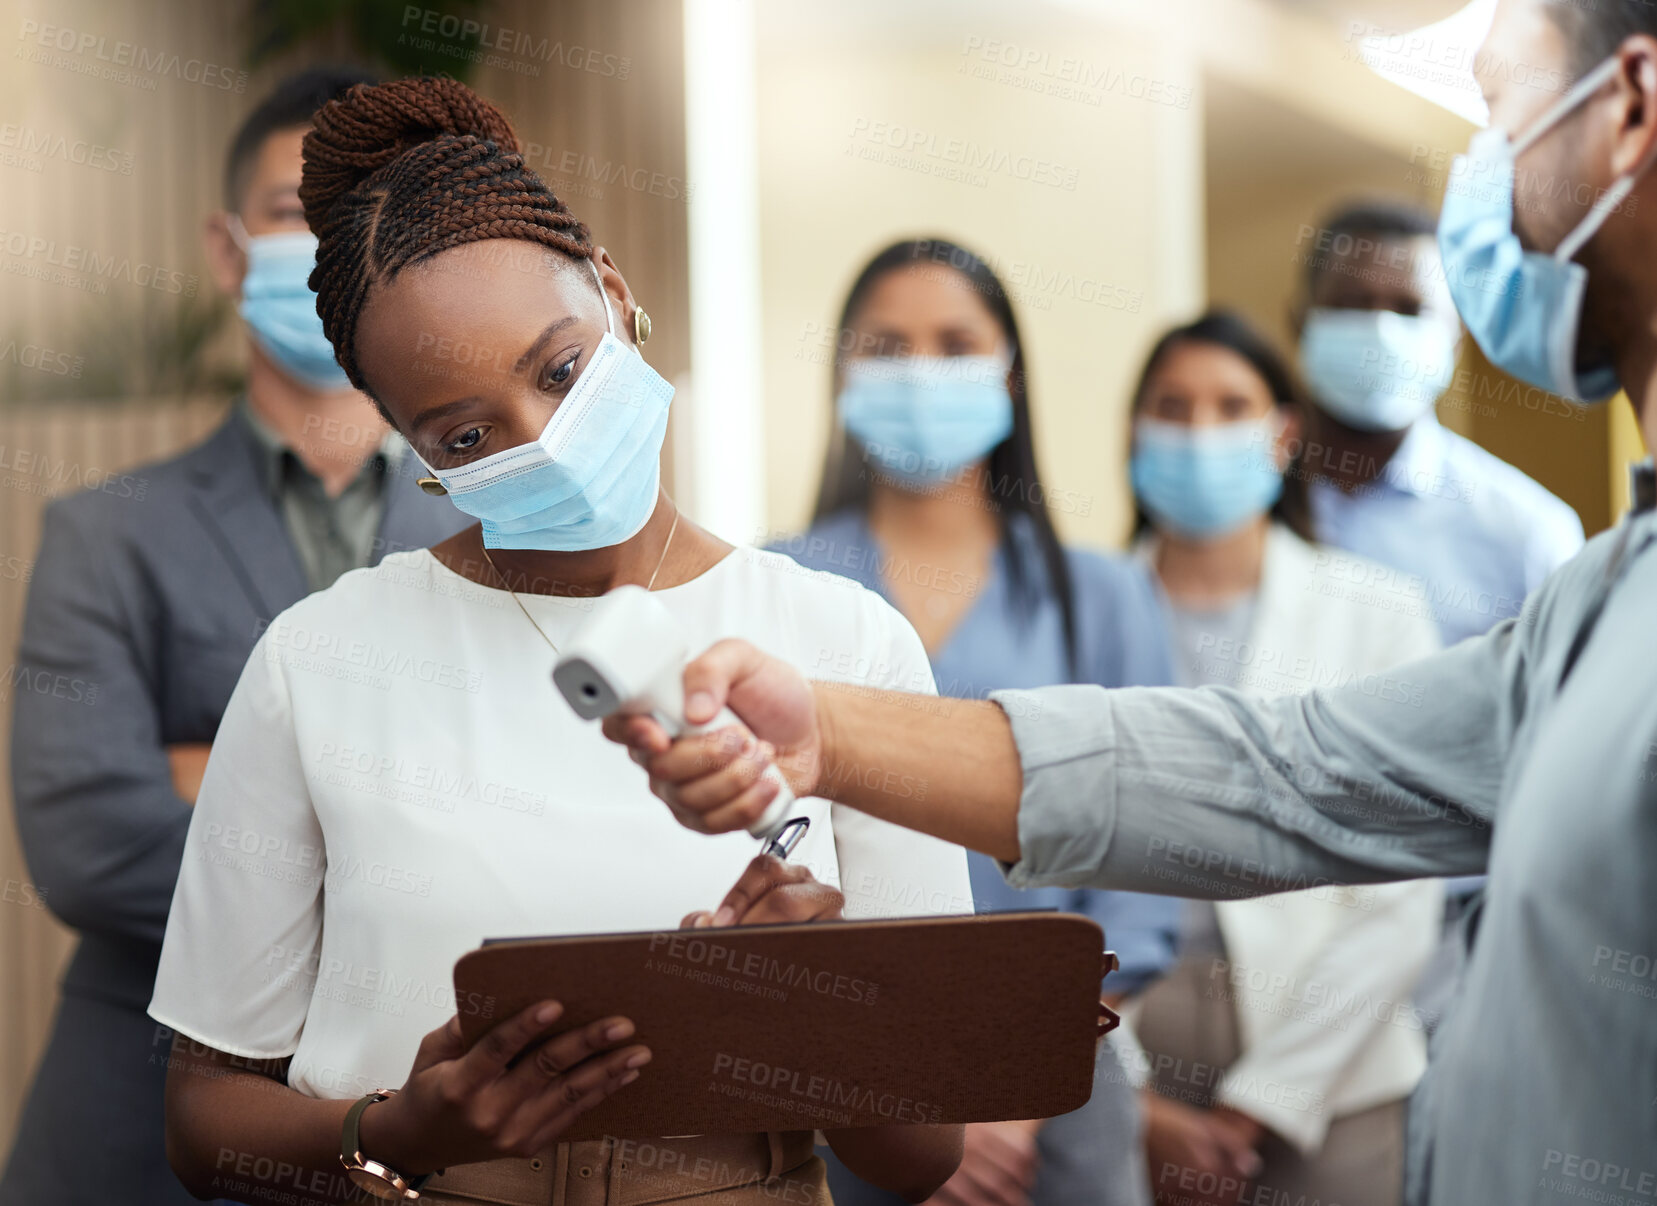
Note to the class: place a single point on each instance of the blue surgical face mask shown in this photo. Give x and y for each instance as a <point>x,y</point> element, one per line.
<point>1524,307</point>
<point>591,479</point>
<point>278,305</point>
<point>1203,482</point>
<point>1377,370</point>
<point>922,418</point>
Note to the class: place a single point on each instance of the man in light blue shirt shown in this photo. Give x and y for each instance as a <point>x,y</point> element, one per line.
<point>1463,535</point>
<point>1467,534</point>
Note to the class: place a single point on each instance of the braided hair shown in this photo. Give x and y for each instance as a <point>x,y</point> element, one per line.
<point>395,173</point>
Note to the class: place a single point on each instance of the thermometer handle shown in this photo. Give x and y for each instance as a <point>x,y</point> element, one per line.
<point>671,714</point>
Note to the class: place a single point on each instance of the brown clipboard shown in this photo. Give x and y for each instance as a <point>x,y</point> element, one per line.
<point>821,1025</point>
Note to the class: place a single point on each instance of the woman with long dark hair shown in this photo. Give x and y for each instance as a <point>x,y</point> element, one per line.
<point>930,496</point>
<point>1296,1004</point>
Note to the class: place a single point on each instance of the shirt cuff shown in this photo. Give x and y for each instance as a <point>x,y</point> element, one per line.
<point>1067,806</point>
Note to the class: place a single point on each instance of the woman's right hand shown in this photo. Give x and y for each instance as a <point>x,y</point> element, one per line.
<point>460,1106</point>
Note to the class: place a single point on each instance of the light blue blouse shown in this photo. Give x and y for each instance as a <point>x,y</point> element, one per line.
<point>1009,639</point>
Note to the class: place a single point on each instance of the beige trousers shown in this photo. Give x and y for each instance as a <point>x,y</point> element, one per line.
<point>776,1169</point>
<point>1188,1017</point>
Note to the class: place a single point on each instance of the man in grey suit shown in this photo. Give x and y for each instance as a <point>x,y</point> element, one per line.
<point>153,598</point>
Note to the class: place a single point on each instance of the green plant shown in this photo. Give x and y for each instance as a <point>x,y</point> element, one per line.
<point>379,31</point>
<point>153,346</point>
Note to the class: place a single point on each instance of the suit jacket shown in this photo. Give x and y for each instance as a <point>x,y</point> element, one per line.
<point>145,603</point>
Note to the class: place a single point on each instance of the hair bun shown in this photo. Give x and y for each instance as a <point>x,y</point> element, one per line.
<point>372,125</point>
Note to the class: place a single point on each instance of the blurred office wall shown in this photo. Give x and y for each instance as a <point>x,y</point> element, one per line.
<point>114,121</point>
<point>1080,184</point>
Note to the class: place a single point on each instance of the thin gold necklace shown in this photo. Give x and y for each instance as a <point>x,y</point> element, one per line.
<point>651,585</point>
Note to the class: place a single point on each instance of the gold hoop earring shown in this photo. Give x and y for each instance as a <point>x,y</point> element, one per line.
<point>641,325</point>
<point>431,485</point>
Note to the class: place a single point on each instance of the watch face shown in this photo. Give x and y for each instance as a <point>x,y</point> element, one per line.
<point>373,1183</point>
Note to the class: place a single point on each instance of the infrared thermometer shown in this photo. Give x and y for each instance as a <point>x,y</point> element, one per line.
<point>629,657</point>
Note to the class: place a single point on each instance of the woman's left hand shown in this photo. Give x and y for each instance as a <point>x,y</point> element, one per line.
<point>772,891</point>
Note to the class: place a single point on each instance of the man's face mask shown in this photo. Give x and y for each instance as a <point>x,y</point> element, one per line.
<point>280,308</point>
<point>1524,308</point>
<point>1376,370</point>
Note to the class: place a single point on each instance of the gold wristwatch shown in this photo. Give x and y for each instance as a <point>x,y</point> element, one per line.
<point>368,1174</point>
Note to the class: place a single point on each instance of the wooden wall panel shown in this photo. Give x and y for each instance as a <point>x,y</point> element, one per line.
<point>54,449</point>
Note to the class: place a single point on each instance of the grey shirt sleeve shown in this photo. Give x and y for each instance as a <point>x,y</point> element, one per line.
<point>1217,793</point>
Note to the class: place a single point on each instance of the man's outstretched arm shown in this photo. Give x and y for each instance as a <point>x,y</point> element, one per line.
<point>1207,793</point>
<point>942,766</point>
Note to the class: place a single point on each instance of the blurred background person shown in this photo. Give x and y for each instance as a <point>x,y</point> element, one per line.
<point>1378,342</point>
<point>1283,1042</point>
<point>1470,535</point>
<point>930,496</point>
<point>158,601</point>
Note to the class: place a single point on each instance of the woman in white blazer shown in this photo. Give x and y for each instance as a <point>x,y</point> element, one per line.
<point>1281,1050</point>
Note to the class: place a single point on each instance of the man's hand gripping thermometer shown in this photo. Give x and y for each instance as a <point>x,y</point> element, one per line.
<point>629,656</point>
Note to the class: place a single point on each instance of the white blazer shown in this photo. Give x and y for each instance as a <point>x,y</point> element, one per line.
<point>1321,978</point>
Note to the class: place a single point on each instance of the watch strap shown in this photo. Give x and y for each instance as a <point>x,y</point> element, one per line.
<point>350,1143</point>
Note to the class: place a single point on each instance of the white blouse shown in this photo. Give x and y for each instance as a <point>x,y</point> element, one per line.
<point>396,779</point>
